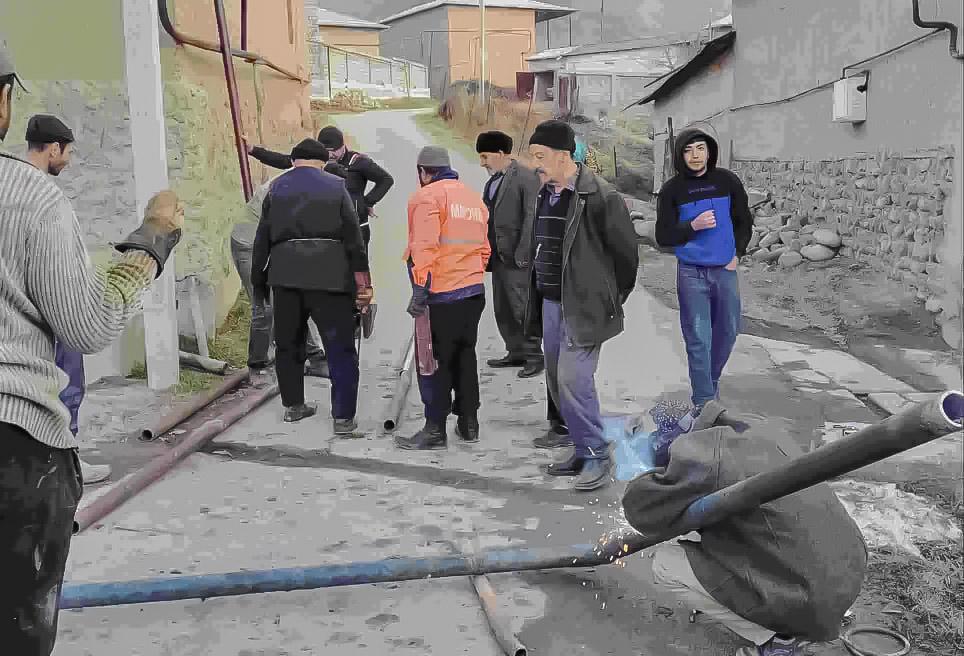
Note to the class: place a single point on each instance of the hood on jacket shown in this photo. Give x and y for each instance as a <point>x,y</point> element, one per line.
<point>686,136</point>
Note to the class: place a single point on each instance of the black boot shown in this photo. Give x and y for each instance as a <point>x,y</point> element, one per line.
<point>432,436</point>
<point>467,428</point>
<point>506,362</point>
<point>571,466</point>
<point>299,412</point>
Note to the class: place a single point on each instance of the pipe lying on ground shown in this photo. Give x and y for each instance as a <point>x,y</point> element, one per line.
<point>168,422</point>
<point>402,386</point>
<point>201,363</point>
<point>193,440</point>
<point>499,624</point>
<point>916,425</point>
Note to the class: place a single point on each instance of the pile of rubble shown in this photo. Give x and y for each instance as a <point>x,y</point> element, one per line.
<point>788,240</point>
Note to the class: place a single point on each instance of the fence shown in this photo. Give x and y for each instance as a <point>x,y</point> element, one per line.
<point>334,70</point>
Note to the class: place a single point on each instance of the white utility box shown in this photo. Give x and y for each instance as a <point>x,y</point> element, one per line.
<point>849,102</point>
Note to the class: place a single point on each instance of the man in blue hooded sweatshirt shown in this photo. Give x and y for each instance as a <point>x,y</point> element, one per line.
<point>704,214</point>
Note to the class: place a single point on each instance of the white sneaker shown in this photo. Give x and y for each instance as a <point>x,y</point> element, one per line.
<point>94,473</point>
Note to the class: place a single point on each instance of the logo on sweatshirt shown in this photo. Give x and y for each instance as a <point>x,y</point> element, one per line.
<point>459,211</point>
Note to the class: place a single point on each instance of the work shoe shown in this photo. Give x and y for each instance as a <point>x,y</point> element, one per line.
<point>432,436</point>
<point>571,466</point>
<point>506,362</point>
<point>299,412</point>
<point>556,437</point>
<point>317,368</point>
<point>775,647</point>
<point>467,428</point>
<point>532,368</point>
<point>594,475</point>
<point>345,426</point>
<point>92,474</point>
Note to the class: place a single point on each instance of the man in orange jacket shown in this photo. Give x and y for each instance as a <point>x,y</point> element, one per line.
<point>448,251</point>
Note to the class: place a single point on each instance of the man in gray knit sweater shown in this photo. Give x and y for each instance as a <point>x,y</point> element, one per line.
<point>50,291</point>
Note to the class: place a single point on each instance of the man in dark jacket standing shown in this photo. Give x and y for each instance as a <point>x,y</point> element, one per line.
<point>510,194</point>
<point>703,212</point>
<point>776,576</point>
<point>309,250</point>
<point>583,270</point>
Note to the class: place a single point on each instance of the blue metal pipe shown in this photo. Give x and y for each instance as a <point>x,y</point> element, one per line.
<point>912,427</point>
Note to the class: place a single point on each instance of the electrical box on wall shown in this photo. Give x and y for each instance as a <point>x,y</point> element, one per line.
<point>850,100</point>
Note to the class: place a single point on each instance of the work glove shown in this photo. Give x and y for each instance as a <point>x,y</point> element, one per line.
<point>161,230</point>
<point>419,302</point>
<point>364,292</point>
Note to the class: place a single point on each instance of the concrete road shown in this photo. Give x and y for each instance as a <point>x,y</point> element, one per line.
<point>271,495</point>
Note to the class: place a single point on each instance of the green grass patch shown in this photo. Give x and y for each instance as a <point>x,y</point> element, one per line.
<point>441,134</point>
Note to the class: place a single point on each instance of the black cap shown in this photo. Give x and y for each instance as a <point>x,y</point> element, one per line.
<point>45,129</point>
<point>493,142</point>
<point>557,135</point>
<point>309,149</point>
<point>332,137</point>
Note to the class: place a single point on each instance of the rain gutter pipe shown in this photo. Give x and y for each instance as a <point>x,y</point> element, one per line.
<point>915,425</point>
<point>225,39</point>
<point>940,25</point>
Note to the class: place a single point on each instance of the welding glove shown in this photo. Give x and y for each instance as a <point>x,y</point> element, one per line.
<point>161,230</point>
<point>364,292</point>
<point>419,302</point>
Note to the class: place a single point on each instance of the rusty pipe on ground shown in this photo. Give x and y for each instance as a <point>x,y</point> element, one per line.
<point>940,25</point>
<point>402,386</point>
<point>498,622</point>
<point>194,439</point>
<point>184,39</point>
<point>168,422</point>
<point>914,426</point>
<point>235,103</point>
<point>201,363</point>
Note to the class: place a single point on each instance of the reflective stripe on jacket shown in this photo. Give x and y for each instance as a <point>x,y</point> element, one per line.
<point>448,236</point>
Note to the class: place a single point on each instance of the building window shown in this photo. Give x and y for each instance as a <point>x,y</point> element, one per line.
<point>291,23</point>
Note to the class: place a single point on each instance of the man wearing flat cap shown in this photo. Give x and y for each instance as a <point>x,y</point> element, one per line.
<point>510,194</point>
<point>583,270</point>
<point>309,250</point>
<point>51,291</point>
<point>448,250</point>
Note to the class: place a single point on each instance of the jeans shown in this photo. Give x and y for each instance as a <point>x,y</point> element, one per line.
<point>72,364</point>
<point>261,336</point>
<point>709,311</point>
<point>570,377</point>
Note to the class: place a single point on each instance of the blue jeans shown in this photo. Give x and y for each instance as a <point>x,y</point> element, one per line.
<point>570,377</point>
<point>709,313</point>
<point>72,364</point>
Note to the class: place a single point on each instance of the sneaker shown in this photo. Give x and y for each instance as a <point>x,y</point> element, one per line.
<point>556,437</point>
<point>93,474</point>
<point>532,368</point>
<point>775,647</point>
<point>299,412</point>
<point>345,426</point>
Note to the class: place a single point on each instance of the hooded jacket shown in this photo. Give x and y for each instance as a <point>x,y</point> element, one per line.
<point>794,565</point>
<point>687,195</point>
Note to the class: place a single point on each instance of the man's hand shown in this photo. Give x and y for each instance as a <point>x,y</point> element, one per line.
<point>705,221</point>
<point>248,148</point>
<point>161,230</point>
<point>732,265</point>
<point>364,292</point>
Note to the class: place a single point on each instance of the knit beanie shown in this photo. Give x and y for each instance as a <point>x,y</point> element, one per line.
<point>309,149</point>
<point>332,137</point>
<point>434,157</point>
<point>493,142</point>
<point>554,134</point>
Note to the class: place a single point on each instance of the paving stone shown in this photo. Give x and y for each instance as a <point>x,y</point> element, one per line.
<point>889,402</point>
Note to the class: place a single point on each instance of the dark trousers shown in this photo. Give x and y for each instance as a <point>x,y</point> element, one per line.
<point>510,291</point>
<point>334,315</point>
<point>455,332</point>
<point>40,488</point>
<point>709,313</point>
<point>553,414</point>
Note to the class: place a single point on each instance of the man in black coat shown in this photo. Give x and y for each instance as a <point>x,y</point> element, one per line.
<point>357,169</point>
<point>309,250</point>
<point>510,194</point>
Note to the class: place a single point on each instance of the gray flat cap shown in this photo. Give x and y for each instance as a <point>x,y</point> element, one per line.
<point>434,156</point>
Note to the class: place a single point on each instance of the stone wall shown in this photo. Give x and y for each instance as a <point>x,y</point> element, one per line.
<point>889,211</point>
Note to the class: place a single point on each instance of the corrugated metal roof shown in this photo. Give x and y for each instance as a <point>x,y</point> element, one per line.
<point>681,75</point>
<point>615,46</point>
<point>328,18</point>
<point>544,10</point>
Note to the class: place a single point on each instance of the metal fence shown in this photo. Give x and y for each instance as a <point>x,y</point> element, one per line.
<point>334,70</point>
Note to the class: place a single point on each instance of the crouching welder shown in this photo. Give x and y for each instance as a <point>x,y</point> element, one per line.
<point>777,576</point>
<point>309,250</point>
<point>448,251</point>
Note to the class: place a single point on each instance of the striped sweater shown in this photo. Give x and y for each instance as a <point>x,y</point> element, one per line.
<point>49,289</point>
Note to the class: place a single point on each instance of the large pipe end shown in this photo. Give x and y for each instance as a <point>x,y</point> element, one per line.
<point>949,410</point>
<point>389,425</point>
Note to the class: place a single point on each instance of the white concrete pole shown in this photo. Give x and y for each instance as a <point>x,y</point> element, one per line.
<point>146,99</point>
<point>482,52</point>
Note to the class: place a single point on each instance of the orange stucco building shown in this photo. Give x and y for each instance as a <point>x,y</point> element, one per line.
<point>346,32</point>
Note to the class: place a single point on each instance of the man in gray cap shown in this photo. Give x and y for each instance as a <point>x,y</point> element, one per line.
<point>51,291</point>
<point>448,251</point>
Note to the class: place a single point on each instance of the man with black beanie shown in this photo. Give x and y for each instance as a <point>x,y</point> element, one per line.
<point>510,194</point>
<point>309,250</point>
<point>583,270</point>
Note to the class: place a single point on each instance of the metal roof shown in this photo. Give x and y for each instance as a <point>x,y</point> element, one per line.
<point>544,11</point>
<point>614,46</point>
<point>328,18</point>
<point>677,78</point>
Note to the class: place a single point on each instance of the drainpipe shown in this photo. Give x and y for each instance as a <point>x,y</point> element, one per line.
<point>941,25</point>
<point>914,426</point>
<point>244,24</point>
<point>225,38</point>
